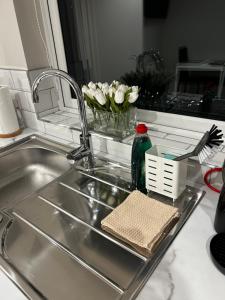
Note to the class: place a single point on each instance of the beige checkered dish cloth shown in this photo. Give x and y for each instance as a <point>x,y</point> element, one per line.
<point>140,221</point>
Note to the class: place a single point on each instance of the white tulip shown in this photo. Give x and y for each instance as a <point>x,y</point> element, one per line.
<point>87,91</point>
<point>115,83</point>
<point>92,85</point>
<point>135,88</point>
<point>100,85</point>
<point>119,97</point>
<point>112,91</point>
<point>91,93</point>
<point>105,90</point>
<point>100,97</point>
<point>123,88</point>
<point>84,89</point>
<point>132,97</point>
<point>105,85</point>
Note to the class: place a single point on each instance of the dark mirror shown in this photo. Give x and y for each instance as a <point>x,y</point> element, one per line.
<point>173,49</point>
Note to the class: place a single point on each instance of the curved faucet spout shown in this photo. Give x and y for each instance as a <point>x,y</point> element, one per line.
<point>85,136</point>
<point>63,75</point>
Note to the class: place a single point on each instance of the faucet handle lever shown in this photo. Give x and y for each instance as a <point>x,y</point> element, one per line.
<point>77,154</point>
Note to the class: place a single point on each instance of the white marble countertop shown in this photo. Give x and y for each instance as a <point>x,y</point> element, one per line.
<point>186,272</point>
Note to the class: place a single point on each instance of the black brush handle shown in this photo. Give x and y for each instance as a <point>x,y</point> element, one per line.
<point>187,155</point>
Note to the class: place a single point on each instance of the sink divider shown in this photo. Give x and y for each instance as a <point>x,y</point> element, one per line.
<point>83,194</point>
<point>102,233</point>
<point>64,249</point>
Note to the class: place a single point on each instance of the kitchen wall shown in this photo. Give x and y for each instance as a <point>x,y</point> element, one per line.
<point>152,32</point>
<point>11,47</point>
<point>23,56</point>
<point>32,33</point>
<point>19,83</point>
<point>21,43</point>
<point>123,34</point>
<point>188,23</point>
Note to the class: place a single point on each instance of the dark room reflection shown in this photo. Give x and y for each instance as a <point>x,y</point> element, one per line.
<point>173,49</point>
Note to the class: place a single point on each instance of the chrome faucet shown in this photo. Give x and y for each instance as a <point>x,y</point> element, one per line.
<point>85,150</point>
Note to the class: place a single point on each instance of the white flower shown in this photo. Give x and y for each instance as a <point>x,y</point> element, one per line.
<point>105,90</point>
<point>92,93</point>
<point>87,91</point>
<point>92,85</point>
<point>84,89</point>
<point>111,91</point>
<point>115,83</point>
<point>100,85</point>
<point>123,88</point>
<point>105,85</point>
<point>135,88</point>
<point>132,97</point>
<point>119,97</point>
<point>100,97</point>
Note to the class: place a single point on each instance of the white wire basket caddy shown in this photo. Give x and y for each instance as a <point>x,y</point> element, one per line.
<point>164,175</point>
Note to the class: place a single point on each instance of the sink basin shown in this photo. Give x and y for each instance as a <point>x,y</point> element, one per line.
<point>25,168</point>
<point>52,244</point>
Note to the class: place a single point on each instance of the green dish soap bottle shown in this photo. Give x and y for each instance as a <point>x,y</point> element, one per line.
<point>141,144</point>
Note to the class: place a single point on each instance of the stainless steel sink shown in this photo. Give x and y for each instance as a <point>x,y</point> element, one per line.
<point>26,167</point>
<point>52,244</point>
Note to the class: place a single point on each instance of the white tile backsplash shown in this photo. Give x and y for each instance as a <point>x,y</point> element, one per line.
<point>156,133</point>
<point>55,118</point>
<point>59,131</point>
<point>182,139</point>
<point>165,142</point>
<point>45,101</point>
<point>99,143</point>
<point>55,97</point>
<point>71,115</point>
<point>23,99</point>
<point>30,101</point>
<point>31,121</point>
<point>48,112</point>
<point>13,95</point>
<point>26,101</point>
<point>76,136</point>
<point>175,131</point>
<point>6,78</point>
<point>169,143</point>
<point>190,148</point>
<point>57,139</point>
<point>70,122</point>
<point>21,80</point>
<point>45,84</point>
<point>119,149</point>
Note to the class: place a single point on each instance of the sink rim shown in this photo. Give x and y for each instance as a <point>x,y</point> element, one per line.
<point>148,269</point>
<point>23,144</point>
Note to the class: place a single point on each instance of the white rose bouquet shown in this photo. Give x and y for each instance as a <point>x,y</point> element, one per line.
<point>116,97</point>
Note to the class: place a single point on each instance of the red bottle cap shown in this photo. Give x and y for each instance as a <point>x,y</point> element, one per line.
<point>141,128</point>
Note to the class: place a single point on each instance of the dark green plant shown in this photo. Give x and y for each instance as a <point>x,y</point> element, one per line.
<point>151,77</point>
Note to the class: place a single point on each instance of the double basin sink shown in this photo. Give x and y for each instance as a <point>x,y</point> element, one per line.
<point>52,244</point>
